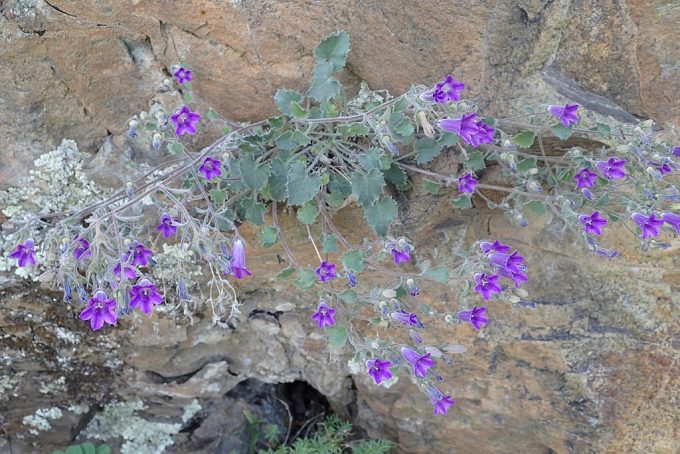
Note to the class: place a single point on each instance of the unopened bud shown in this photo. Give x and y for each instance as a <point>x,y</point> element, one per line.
<point>389,293</point>
<point>156,141</point>
<point>143,116</point>
<point>428,130</point>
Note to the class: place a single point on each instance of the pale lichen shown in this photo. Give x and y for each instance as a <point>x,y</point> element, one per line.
<point>40,420</point>
<point>140,436</point>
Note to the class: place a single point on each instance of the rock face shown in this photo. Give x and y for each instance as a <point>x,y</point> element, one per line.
<point>592,369</point>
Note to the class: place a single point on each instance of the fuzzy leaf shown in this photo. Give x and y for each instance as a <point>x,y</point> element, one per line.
<point>426,150</point>
<point>324,86</point>
<point>367,186</point>
<point>370,160</point>
<point>381,214</point>
<point>431,186</point>
<point>462,202</point>
<point>254,174</point>
<point>218,196</point>
<point>253,210</point>
<point>475,160</point>
<point>348,296</point>
<point>561,132</point>
<point>353,260</point>
<point>333,51</point>
<point>395,175</point>
<point>440,274</point>
<point>337,336</point>
<point>283,99</point>
<point>524,139</point>
<point>278,180</point>
<point>307,213</point>
<point>268,236</point>
<point>329,244</point>
<point>302,187</point>
<point>306,279</point>
<point>526,164</point>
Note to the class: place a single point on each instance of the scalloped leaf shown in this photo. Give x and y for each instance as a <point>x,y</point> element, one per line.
<point>302,186</point>
<point>381,214</point>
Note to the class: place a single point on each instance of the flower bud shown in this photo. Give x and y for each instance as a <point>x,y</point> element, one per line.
<point>160,116</point>
<point>156,141</point>
<point>167,84</point>
<point>143,116</point>
<point>533,171</point>
<point>448,318</point>
<point>428,130</point>
<point>389,293</point>
<point>434,352</point>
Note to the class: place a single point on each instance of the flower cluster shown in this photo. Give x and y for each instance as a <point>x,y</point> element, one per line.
<point>321,154</point>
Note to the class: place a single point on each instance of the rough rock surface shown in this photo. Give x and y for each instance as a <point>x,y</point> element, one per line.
<point>593,369</point>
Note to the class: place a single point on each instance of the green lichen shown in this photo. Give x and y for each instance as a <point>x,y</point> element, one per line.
<point>140,436</point>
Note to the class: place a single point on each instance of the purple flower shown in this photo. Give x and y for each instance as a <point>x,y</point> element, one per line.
<point>518,278</point>
<point>144,295</point>
<point>238,261</point>
<point>467,183</point>
<point>420,363</point>
<point>496,246</point>
<point>183,75</point>
<point>447,90</point>
<point>324,315</point>
<point>487,285</point>
<point>566,114</point>
<point>475,316</point>
<point>24,253</point>
<point>351,279</point>
<point>326,271</point>
<point>650,226</point>
<point>484,134</point>
<point>585,178</point>
<point>406,318</point>
<point>673,220</point>
<point>613,168</point>
<point>412,288</point>
<point>465,126</point>
<point>400,256</point>
<point>166,227</point>
<point>511,262</point>
<point>440,401</point>
<point>130,272</point>
<point>141,255</point>
<point>211,168</point>
<point>379,370</point>
<point>676,151</point>
<point>185,121</point>
<point>593,223</point>
<point>664,168</point>
<point>82,249</point>
<point>100,309</point>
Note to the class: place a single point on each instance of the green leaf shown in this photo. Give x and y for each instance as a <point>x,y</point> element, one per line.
<point>337,336</point>
<point>561,132</point>
<point>353,130</point>
<point>88,448</point>
<point>524,139</point>
<point>348,296</point>
<point>604,200</point>
<point>253,210</point>
<point>400,105</point>
<point>335,199</point>
<point>329,244</point>
<point>254,174</point>
<point>307,213</point>
<point>324,86</point>
<point>475,160</point>
<point>286,142</point>
<point>395,175</point>
<point>353,260</point>
<point>431,186</point>
<point>283,99</point>
<point>218,196</point>
<point>426,150</point>
<point>103,449</point>
<point>285,273</point>
<point>603,130</point>
<point>439,274</point>
<point>297,110</point>
<point>268,236</point>
<point>370,160</point>
<point>381,214</point>
<point>526,164</point>
<point>535,207</point>
<point>306,279</point>
<point>75,449</point>
<point>367,186</point>
<point>177,148</point>
<point>302,187</point>
<point>332,51</point>
<point>277,122</point>
<point>462,202</point>
<point>278,180</point>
